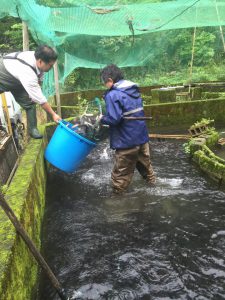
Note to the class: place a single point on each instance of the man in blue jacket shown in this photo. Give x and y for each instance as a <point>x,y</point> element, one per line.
<point>128,137</point>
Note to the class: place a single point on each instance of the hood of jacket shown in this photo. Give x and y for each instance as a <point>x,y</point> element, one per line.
<point>128,87</point>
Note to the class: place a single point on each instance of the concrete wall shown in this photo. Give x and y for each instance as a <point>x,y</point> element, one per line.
<point>72,98</point>
<point>26,196</point>
<point>181,115</point>
<point>176,115</point>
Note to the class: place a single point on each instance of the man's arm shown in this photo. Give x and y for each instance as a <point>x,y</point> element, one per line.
<point>47,107</point>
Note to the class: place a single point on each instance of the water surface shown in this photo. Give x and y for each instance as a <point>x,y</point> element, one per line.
<point>165,242</point>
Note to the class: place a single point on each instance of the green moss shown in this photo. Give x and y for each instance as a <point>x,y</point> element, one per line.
<point>210,95</point>
<point>146,99</point>
<point>196,93</point>
<point>211,165</point>
<point>199,150</point>
<point>163,95</point>
<point>26,196</point>
<point>74,98</point>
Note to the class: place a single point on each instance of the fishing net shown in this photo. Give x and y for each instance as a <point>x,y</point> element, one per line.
<point>91,34</point>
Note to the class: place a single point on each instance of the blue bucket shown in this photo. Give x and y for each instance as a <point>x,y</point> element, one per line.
<point>67,149</point>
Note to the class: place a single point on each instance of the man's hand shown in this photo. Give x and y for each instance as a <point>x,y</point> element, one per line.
<point>56,118</point>
<point>47,107</point>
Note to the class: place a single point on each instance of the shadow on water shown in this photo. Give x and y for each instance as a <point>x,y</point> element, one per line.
<point>165,242</point>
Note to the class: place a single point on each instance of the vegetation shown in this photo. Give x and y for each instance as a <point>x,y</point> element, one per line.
<point>11,39</point>
<point>168,61</point>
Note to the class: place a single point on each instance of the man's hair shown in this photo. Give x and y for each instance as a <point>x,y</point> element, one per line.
<point>45,53</point>
<point>113,72</point>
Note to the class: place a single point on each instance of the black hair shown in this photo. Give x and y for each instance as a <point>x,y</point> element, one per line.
<point>45,53</point>
<point>113,72</point>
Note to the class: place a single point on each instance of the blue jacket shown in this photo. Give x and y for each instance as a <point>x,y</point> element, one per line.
<point>121,100</point>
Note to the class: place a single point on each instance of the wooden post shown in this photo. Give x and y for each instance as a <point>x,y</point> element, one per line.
<point>57,94</point>
<point>25,37</point>
<point>6,113</point>
<point>192,56</point>
<point>192,53</point>
<point>221,29</point>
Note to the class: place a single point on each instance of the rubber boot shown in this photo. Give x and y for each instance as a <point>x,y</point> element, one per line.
<point>32,123</point>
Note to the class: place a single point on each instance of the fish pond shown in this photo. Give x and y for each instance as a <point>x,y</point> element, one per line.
<point>157,243</point>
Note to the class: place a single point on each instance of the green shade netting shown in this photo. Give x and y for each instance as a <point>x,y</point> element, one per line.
<point>91,34</point>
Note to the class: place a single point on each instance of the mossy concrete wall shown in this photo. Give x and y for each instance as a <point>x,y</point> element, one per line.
<point>181,115</point>
<point>26,196</point>
<point>72,98</point>
<point>176,115</point>
<point>163,95</point>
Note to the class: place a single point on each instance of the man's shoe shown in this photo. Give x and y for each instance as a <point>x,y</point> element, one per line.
<point>34,133</point>
<point>32,123</point>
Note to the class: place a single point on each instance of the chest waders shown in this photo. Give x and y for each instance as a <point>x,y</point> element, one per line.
<point>9,83</point>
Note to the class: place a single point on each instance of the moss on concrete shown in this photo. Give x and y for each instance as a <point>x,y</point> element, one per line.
<point>26,196</point>
<point>210,95</point>
<point>180,115</point>
<point>163,95</point>
<point>72,99</point>
<point>210,164</point>
<point>202,155</point>
<point>196,93</point>
<point>209,139</point>
<point>147,100</point>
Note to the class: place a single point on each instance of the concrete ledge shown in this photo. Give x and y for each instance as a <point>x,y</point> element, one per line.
<point>26,196</point>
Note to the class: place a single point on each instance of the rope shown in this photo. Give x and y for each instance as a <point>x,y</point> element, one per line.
<point>181,13</point>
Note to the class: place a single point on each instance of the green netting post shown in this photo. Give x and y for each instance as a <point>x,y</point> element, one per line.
<point>57,94</point>
<point>25,37</point>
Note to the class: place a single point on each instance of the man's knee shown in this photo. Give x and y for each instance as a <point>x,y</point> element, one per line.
<point>23,99</point>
